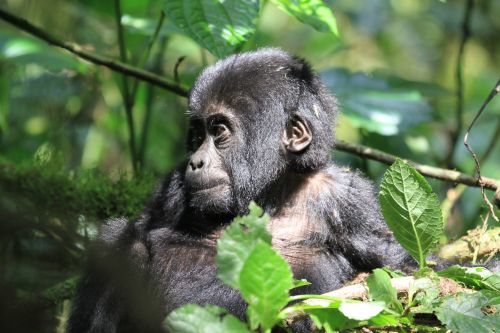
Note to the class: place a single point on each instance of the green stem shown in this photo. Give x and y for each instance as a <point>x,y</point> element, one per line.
<point>312,296</point>
<point>127,98</point>
<point>145,56</point>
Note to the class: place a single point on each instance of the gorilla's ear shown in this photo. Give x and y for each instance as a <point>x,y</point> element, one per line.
<point>297,135</point>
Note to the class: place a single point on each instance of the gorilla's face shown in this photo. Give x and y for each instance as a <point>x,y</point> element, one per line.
<point>207,176</point>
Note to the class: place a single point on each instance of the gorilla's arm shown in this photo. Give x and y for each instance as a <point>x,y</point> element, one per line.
<point>360,228</point>
<point>114,294</point>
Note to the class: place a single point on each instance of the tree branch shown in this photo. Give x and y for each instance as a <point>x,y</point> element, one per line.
<point>430,171</point>
<point>78,50</point>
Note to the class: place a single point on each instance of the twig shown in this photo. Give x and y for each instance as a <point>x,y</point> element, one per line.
<point>430,171</point>
<point>128,100</point>
<point>460,83</point>
<point>492,94</point>
<point>147,52</point>
<point>149,102</point>
<point>79,51</point>
<point>176,68</point>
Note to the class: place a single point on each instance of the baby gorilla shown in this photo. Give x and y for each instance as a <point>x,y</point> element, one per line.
<point>260,129</point>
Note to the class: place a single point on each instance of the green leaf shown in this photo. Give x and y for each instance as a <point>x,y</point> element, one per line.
<point>193,318</point>
<point>238,241</point>
<point>265,280</point>
<point>381,289</point>
<point>218,25</point>
<point>464,314</point>
<point>475,277</point>
<point>361,310</point>
<point>411,210</point>
<point>424,293</point>
<point>312,12</point>
<point>380,103</point>
<point>331,320</point>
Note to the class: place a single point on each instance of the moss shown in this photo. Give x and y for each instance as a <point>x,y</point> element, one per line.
<point>62,193</point>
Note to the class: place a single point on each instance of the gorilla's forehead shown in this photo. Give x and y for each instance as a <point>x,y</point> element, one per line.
<point>244,80</point>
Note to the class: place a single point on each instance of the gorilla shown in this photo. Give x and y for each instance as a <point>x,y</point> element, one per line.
<point>261,129</point>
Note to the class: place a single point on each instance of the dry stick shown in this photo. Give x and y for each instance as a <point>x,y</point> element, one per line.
<point>492,94</point>
<point>79,51</point>
<point>430,171</point>
<point>460,82</point>
<point>127,98</point>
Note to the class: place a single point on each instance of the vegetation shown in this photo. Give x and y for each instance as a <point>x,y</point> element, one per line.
<point>92,111</point>
<point>246,261</point>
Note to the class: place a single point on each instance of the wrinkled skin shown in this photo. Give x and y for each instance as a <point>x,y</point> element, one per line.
<point>260,129</point>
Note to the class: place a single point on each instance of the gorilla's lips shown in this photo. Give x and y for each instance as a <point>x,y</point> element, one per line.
<point>201,187</point>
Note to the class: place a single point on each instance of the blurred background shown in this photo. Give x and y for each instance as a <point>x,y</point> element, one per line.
<point>65,162</point>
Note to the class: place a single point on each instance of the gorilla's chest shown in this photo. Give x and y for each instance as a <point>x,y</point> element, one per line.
<point>189,274</point>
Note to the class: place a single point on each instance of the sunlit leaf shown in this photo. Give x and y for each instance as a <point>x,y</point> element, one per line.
<point>411,209</point>
<point>219,26</point>
<point>312,12</point>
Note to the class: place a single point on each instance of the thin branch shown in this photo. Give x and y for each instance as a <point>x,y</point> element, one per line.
<point>127,98</point>
<point>79,51</point>
<point>492,94</point>
<point>469,6</point>
<point>430,171</point>
<point>147,52</point>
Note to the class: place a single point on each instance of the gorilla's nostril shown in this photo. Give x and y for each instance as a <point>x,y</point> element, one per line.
<point>196,165</point>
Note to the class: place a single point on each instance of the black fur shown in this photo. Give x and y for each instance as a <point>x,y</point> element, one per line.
<point>325,220</point>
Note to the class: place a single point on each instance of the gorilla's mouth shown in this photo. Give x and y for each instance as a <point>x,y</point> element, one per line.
<point>201,187</point>
<point>208,188</point>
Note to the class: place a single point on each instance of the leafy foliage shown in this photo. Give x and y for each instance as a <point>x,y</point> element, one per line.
<point>219,26</point>
<point>475,277</point>
<point>208,319</point>
<point>312,12</point>
<point>466,312</point>
<point>411,210</point>
<point>381,289</point>
<point>265,280</point>
<point>237,243</point>
<point>380,103</point>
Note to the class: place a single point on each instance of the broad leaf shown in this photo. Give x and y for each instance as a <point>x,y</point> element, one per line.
<point>218,25</point>
<point>380,103</point>
<point>265,281</point>
<point>312,12</point>
<point>193,318</point>
<point>381,289</point>
<point>476,277</point>
<point>411,210</point>
<point>238,241</point>
<point>464,314</point>
<point>330,320</point>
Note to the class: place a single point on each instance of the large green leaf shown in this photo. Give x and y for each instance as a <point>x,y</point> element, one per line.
<point>381,103</point>
<point>464,314</point>
<point>312,12</point>
<point>218,25</point>
<point>381,289</point>
<point>411,209</point>
<point>265,281</point>
<point>238,241</point>
<point>193,318</point>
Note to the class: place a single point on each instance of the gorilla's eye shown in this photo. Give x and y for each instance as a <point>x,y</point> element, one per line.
<point>219,131</point>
